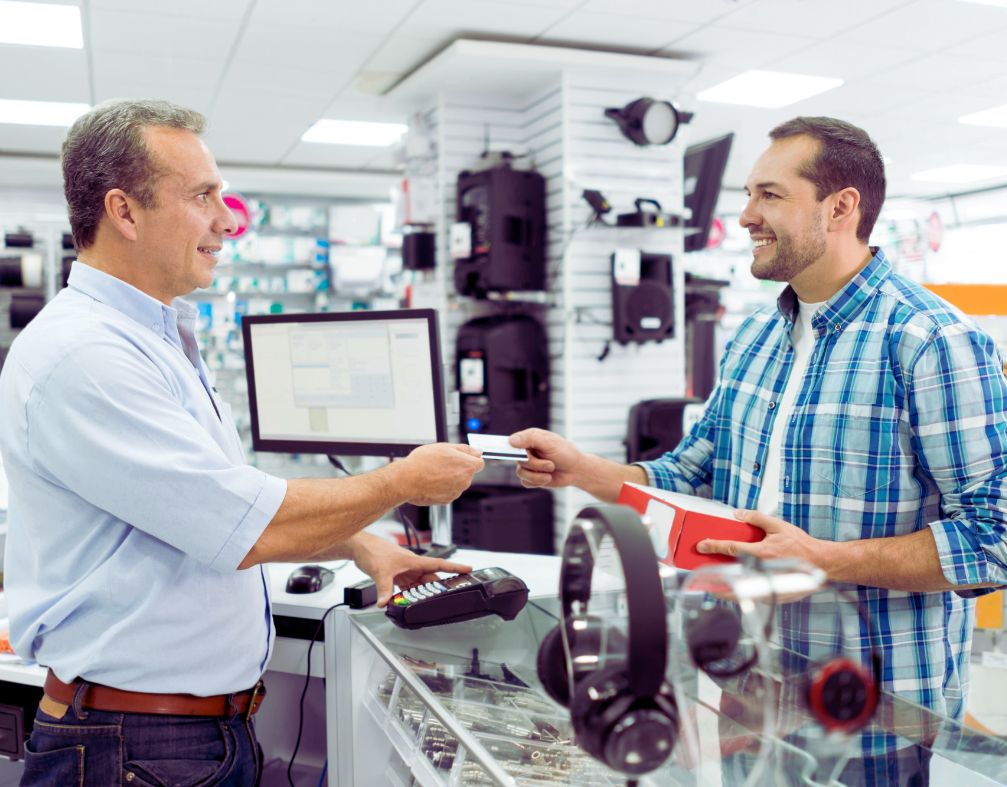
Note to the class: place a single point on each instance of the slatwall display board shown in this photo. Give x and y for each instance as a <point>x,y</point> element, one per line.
<point>42,213</point>
<point>575,147</point>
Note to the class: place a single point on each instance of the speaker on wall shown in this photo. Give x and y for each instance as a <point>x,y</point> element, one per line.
<point>643,297</point>
<point>657,426</point>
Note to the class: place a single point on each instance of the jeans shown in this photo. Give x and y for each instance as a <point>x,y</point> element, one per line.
<point>102,749</point>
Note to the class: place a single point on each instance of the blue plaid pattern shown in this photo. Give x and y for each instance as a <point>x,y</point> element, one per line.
<point>900,424</point>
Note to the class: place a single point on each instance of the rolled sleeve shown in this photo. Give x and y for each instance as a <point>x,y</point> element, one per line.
<point>963,559</point>
<point>958,410</point>
<point>272,490</point>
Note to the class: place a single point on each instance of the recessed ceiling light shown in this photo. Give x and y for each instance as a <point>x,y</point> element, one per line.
<point>771,89</point>
<point>40,113</point>
<point>961,173</point>
<point>354,132</point>
<point>1001,3</point>
<point>997,116</point>
<point>40,24</point>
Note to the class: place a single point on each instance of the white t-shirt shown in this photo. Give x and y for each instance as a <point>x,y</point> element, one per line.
<point>803,338</point>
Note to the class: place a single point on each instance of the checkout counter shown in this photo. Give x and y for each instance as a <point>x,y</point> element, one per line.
<point>417,707</point>
<point>461,704</point>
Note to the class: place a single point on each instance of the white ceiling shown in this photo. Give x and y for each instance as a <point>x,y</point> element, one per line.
<point>265,70</point>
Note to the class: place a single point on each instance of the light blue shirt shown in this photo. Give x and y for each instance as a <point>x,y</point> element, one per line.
<point>131,505</point>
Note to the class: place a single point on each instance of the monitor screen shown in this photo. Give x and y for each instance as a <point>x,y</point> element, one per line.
<point>704,166</point>
<point>363,383</point>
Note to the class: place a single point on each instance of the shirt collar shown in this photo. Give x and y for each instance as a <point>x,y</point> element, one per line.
<point>135,304</point>
<point>846,304</point>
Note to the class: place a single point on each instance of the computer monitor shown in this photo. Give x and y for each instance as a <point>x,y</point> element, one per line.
<point>362,383</point>
<point>704,166</point>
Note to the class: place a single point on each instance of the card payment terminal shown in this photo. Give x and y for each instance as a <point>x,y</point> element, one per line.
<point>488,591</point>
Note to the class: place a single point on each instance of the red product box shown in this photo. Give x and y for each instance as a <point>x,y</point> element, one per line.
<point>678,522</point>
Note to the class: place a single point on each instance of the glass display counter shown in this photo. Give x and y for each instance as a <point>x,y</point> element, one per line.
<point>462,705</point>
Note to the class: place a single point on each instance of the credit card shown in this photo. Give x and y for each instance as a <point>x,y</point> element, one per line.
<point>496,446</point>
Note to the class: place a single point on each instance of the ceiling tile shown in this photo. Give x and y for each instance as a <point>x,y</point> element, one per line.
<point>450,19</point>
<point>298,46</point>
<point>933,24</point>
<point>248,120</point>
<point>190,9</point>
<point>36,73</point>
<point>855,102</point>
<point>403,53</point>
<point>198,98</point>
<point>662,9</point>
<point>616,30</point>
<point>336,16</point>
<point>807,17</point>
<point>940,72</point>
<point>273,79</point>
<point>157,70</point>
<point>988,47</point>
<point>163,35</point>
<point>845,60</point>
<point>720,46</point>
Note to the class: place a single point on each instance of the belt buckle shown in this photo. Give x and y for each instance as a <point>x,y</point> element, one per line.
<point>258,694</point>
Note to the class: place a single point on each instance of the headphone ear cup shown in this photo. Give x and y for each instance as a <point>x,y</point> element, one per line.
<point>842,695</point>
<point>551,667</point>
<point>630,734</point>
<point>712,635</point>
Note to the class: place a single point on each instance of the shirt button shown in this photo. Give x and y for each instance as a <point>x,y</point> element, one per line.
<point>757,467</point>
<point>838,328</point>
<point>772,405</point>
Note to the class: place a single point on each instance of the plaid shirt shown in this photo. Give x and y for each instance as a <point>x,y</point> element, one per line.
<point>900,424</point>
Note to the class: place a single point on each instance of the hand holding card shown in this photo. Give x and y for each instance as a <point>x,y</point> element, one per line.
<point>497,446</point>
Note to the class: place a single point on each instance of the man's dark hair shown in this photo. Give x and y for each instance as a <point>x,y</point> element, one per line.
<point>847,157</point>
<point>104,150</point>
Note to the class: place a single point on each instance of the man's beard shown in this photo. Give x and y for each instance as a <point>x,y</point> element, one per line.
<point>792,256</point>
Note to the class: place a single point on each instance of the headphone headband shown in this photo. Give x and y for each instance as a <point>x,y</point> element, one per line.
<point>648,628</point>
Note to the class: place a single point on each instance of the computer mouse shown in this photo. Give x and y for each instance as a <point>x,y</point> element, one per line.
<point>308,579</point>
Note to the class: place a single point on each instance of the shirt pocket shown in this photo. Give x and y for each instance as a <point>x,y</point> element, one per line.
<point>856,451</point>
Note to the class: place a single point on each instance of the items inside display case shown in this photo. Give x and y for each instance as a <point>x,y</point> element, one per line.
<point>525,733</point>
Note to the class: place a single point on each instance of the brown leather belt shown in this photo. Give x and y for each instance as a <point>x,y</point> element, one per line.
<point>106,698</point>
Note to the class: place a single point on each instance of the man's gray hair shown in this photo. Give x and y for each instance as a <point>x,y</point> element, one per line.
<point>105,149</point>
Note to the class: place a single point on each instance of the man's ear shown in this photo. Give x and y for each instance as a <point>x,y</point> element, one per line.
<point>844,209</point>
<point>120,210</point>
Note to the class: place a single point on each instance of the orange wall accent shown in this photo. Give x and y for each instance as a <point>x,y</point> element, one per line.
<point>990,611</point>
<point>976,299</point>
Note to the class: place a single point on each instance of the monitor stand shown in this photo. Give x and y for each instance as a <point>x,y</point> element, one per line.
<point>440,532</point>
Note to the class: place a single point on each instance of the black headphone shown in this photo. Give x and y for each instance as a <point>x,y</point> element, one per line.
<point>713,632</point>
<point>624,713</point>
<point>843,694</point>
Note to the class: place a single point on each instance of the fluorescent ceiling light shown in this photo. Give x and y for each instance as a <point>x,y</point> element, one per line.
<point>961,173</point>
<point>40,24</point>
<point>771,89</point>
<point>354,132</point>
<point>40,113</point>
<point>997,116</point>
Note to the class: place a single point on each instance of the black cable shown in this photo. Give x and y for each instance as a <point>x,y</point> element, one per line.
<point>337,463</point>
<point>304,693</point>
<point>413,542</point>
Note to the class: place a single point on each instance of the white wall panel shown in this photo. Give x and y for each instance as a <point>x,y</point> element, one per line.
<point>567,138</point>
